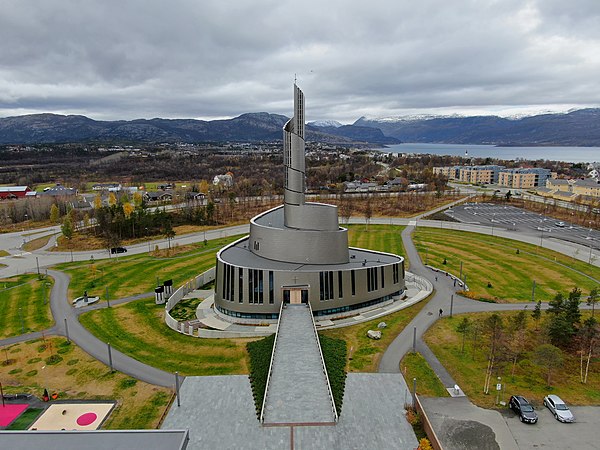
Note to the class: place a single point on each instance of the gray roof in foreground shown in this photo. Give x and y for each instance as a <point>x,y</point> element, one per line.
<point>98,440</point>
<point>220,414</point>
<point>240,255</point>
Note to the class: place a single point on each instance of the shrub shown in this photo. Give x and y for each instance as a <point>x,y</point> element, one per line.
<point>71,371</point>
<point>31,373</point>
<point>424,444</point>
<point>72,362</point>
<point>53,359</point>
<point>15,371</point>
<point>444,261</point>
<point>334,354</point>
<point>127,383</point>
<point>260,358</point>
<point>34,360</point>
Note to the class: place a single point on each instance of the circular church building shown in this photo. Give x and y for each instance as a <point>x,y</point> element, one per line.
<point>298,253</point>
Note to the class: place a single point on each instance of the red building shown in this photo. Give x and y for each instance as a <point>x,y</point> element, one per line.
<point>10,192</point>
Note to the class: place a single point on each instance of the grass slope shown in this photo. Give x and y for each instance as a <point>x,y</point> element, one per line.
<point>137,274</point>
<point>495,260</point>
<point>468,368</point>
<point>22,305</point>
<point>77,376</point>
<point>334,355</point>
<point>138,329</point>
<point>413,365</point>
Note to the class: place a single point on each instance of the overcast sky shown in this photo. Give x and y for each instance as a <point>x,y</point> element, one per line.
<point>210,59</point>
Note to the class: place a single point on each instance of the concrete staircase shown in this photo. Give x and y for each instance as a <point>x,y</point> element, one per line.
<point>298,388</point>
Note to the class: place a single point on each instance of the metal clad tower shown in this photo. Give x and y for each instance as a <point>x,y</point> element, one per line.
<point>293,157</point>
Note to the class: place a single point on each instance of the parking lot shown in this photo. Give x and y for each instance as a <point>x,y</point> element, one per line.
<point>515,219</point>
<point>549,433</point>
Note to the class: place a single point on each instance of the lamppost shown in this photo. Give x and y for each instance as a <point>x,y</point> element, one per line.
<point>542,233</point>
<point>493,219</point>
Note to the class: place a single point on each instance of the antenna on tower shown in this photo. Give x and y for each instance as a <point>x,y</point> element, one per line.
<point>294,78</point>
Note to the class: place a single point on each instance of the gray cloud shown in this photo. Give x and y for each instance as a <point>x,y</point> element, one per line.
<point>186,58</point>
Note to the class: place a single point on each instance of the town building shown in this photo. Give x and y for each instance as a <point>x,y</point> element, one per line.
<point>523,178</point>
<point>13,192</point>
<point>480,174</point>
<point>298,253</point>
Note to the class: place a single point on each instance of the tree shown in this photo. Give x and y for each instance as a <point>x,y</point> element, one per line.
<point>588,337</point>
<point>493,327</point>
<point>67,227</point>
<point>508,195</point>
<point>572,313</point>
<point>138,200</point>
<point>54,213</point>
<point>98,201</point>
<point>168,232</point>
<point>537,314</point>
<point>463,328</point>
<point>593,298</point>
<point>112,199</point>
<point>368,211</point>
<point>549,357</point>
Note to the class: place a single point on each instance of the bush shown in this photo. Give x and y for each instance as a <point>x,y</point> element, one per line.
<point>444,261</point>
<point>334,354</point>
<point>71,371</point>
<point>53,359</point>
<point>260,358</point>
<point>424,444</point>
<point>127,383</point>
<point>72,362</point>
<point>34,360</point>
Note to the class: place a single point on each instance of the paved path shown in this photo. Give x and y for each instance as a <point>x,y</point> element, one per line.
<point>297,391</point>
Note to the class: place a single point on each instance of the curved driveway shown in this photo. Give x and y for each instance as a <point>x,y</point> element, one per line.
<point>61,309</point>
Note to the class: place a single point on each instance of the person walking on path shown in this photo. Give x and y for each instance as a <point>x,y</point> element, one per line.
<point>441,312</point>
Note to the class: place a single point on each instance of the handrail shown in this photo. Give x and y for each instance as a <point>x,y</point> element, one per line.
<point>333,408</point>
<point>262,409</point>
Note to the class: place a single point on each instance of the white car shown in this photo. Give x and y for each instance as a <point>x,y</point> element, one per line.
<point>560,224</point>
<point>557,407</point>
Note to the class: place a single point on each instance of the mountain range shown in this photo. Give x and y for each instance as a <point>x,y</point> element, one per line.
<point>251,127</point>
<point>575,128</point>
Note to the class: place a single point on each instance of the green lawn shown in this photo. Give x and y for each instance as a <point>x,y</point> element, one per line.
<point>383,238</point>
<point>138,329</point>
<point>24,421</point>
<point>413,365</point>
<point>23,308</point>
<point>468,367</point>
<point>495,260</point>
<point>137,274</point>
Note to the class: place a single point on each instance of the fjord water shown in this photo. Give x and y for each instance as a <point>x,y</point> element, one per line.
<point>569,154</point>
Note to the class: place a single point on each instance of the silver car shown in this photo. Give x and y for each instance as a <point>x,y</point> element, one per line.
<point>557,407</point>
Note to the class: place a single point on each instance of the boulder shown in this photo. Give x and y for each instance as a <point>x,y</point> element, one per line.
<point>381,325</point>
<point>374,334</point>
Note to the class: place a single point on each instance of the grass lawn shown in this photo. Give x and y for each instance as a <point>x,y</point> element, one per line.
<point>4,253</point>
<point>468,368</point>
<point>25,420</point>
<point>22,305</point>
<point>364,353</point>
<point>495,260</point>
<point>73,374</point>
<point>36,244</point>
<point>383,238</point>
<point>185,309</point>
<point>137,274</point>
<point>413,365</point>
<point>138,329</point>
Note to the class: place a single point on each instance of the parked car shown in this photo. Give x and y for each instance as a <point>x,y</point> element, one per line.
<point>118,250</point>
<point>560,224</point>
<point>557,407</point>
<point>523,409</point>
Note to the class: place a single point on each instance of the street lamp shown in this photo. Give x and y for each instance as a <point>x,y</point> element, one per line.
<point>542,233</point>
<point>493,219</point>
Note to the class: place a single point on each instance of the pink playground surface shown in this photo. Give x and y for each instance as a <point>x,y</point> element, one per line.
<point>8,413</point>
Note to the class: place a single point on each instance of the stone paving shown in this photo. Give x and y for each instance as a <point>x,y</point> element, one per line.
<point>297,390</point>
<point>220,414</point>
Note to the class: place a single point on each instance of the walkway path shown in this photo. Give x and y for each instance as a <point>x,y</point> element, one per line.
<point>298,389</point>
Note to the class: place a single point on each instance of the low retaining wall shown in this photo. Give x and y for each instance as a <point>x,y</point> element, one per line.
<point>191,285</point>
<point>433,439</point>
<point>454,277</point>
